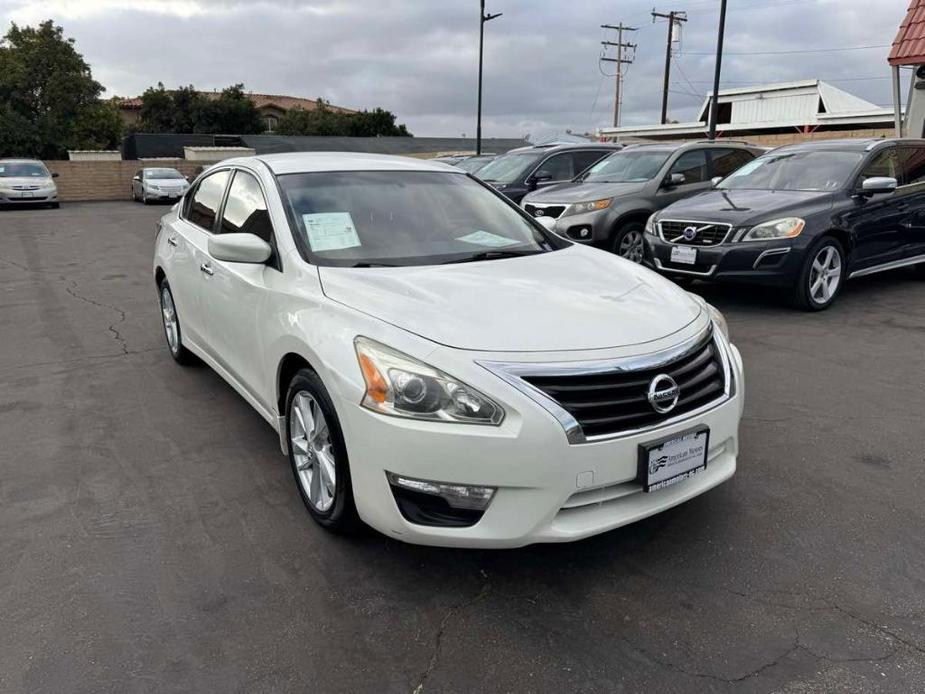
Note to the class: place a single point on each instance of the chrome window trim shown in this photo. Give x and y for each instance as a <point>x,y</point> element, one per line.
<point>695,221</point>
<point>513,372</point>
<point>892,265</point>
<point>693,273</point>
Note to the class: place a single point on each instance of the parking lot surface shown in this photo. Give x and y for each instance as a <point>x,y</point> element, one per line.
<point>152,537</point>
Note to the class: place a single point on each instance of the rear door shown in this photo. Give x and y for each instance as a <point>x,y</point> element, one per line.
<point>238,291</point>
<point>691,164</point>
<point>879,223</point>
<point>724,161</point>
<point>190,270</point>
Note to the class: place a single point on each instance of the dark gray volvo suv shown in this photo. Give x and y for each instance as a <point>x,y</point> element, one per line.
<point>608,205</point>
<point>803,217</point>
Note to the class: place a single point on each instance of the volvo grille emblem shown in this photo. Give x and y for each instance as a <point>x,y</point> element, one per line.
<point>689,233</point>
<point>663,393</point>
<point>538,213</point>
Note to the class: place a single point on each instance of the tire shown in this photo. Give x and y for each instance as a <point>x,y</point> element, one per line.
<point>134,195</point>
<point>309,409</point>
<point>180,354</point>
<point>827,256</point>
<point>628,241</point>
<point>144,197</point>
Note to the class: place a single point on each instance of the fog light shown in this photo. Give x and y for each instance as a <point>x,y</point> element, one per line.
<point>462,496</point>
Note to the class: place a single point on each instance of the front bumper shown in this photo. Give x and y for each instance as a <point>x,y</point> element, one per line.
<point>775,263</point>
<point>164,194</point>
<point>588,227</point>
<point>29,197</point>
<point>548,490</point>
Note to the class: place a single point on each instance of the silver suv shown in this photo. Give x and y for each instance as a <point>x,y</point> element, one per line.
<point>608,205</point>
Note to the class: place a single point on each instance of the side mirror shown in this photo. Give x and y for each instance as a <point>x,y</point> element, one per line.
<point>541,176</point>
<point>55,175</point>
<point>547,223</point>
<point>715,181</point>
<point>878,184</point>
<point>239,248</point>
<point>136,177</point>
<point>675,179</point>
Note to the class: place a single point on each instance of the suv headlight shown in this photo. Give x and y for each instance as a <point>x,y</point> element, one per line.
<point>592,206</point>
<point>650,224</point>
<point>786,228</point>
<point>402,386</point>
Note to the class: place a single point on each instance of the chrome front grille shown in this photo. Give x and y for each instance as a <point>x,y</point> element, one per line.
<point>553,211</point>
<point>694,233</point>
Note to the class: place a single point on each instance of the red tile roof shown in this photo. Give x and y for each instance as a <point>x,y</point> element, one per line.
<point>909,44</point>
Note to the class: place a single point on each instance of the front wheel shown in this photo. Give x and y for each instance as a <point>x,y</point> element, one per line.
<point>172,333</point>
<point>318,455</point>
<point>822,276</point>
<point>627,241</point>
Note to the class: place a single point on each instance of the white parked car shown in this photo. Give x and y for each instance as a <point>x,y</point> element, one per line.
<point>27,181</point>
<point>152,184</point>
<point>437,364</point>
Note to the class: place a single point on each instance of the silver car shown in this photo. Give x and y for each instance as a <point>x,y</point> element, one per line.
<point>151,184</point>
<point>27,182</point>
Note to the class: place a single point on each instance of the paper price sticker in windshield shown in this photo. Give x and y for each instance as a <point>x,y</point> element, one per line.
<point>330,231</point>
<point>486,238</point>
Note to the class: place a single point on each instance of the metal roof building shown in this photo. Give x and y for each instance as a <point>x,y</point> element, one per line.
<point>805,106</point>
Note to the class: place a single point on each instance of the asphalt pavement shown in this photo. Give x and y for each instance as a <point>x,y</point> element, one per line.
<point>152,538</point>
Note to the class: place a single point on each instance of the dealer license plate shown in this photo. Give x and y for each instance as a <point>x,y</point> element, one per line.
<point>685,255</point>
<point>673,459</point>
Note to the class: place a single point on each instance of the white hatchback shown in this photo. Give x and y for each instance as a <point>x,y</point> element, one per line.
<point>438,365</point>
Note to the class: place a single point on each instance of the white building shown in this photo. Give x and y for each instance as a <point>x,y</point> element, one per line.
<point>804,107</point>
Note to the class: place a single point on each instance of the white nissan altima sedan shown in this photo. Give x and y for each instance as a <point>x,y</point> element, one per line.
<point>436,364</point>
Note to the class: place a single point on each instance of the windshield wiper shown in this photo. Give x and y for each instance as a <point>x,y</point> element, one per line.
<point>366,264</point>
<point>491,255</point>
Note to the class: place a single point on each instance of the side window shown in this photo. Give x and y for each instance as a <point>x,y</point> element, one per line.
<point>560,166</point>
<point>725,161</point>
<point>585,160</point>
<point>246,209</point>
<point>883,163</point>
<point>204,203</point>
<point>693,166</point>
<point>912,165</point>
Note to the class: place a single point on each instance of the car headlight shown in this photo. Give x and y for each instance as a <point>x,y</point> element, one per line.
<point>592,206</point>
<point>151,186</point>
<point>719,320</point>
<point>786,228</point>
<point>402,386</point>
<point>650,224</point>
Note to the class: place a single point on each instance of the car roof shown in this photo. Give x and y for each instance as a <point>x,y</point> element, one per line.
<point>674,146</point>
<point>312,162</point>
<point>564,147</point>
<point>850,144</point>
<point>21,161</point>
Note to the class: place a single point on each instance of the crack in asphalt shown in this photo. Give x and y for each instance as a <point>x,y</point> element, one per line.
<point>71,289</point>
<point>438,639</point>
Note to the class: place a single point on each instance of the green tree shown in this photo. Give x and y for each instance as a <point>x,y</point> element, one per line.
<point>188,106</point>
<point>376,123</point>
<point>323,120</point>
<point>157,110</point>
<point>231,113</point>
<point>98,127</point>
<point>46,89</point>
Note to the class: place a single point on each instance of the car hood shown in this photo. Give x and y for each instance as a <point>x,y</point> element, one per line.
<point>25,180</point>
<point>583,192</point>
<point>742,207</point>
<point>576,298</point>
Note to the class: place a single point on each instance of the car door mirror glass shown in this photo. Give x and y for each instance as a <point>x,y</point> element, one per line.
<point>542,176</point>
<point>878,184</point>
<point>55,174</point>
<point>239,248</point>
<point>675,179</point>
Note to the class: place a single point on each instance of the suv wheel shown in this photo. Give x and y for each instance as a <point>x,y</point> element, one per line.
<point>318,455</point>
<point>627,241</point>
<point>821,277</point>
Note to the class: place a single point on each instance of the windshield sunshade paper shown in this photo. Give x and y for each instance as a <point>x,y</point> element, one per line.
<point>486,238</point>
<point>330,231</point>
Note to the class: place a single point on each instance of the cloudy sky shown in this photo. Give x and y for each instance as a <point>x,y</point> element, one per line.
<point>419,58</point>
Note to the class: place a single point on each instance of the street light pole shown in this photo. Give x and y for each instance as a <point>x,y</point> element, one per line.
<point>482,19</point>
<point>714,102</point>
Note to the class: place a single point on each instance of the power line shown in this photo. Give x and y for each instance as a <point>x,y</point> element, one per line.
<point>807,50</point>
<point>620,61</point>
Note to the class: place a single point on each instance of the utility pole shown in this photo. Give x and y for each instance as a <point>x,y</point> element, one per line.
<point>483,17</point>
<point>620,60</point>
<point>674,19</point>
<point>714,103</point>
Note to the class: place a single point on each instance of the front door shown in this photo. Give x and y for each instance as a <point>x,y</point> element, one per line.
<point>692,164</point>
<point>912,161</point>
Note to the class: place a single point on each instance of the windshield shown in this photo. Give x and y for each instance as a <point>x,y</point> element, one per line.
<point>22,170</point>
<point>509,167</point>
<point>807,171</point>
<point>627,166</point>
<point>162,174</point>
<point>358,218</point>
<point>473,164</point>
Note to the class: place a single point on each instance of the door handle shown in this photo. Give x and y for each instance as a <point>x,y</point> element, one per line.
<point>172,241</point>
<point>207,268</point>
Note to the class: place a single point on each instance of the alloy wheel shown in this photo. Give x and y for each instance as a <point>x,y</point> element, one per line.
<point>825,275</point>
<point>631,246</point>
<point>171,324</point>
<point>312,451</point>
